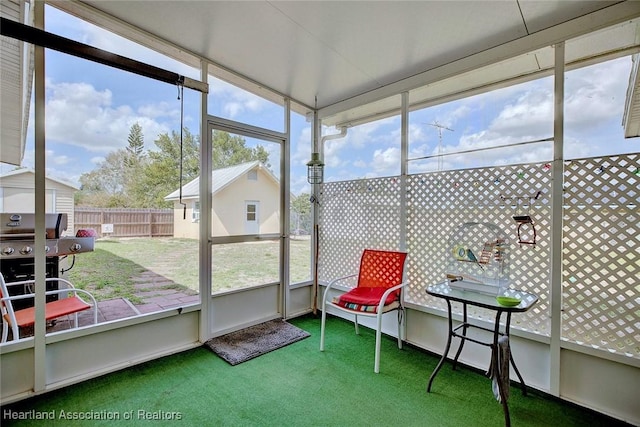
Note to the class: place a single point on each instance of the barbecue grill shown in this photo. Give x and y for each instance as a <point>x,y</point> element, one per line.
<point>17,249</point>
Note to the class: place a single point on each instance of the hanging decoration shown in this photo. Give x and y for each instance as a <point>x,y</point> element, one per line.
<point>526,229</point>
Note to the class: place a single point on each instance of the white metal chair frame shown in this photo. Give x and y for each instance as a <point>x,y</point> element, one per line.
<point>382,309</point>
<point>6,307</point>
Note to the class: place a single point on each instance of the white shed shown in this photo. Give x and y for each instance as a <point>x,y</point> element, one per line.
<point>246,200</point>
<point>17,189</point>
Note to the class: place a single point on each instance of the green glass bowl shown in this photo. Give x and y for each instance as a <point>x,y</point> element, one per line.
<point>508,301</point>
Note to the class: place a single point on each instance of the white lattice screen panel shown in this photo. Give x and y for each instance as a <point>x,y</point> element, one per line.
<point>438,203</point>
<point>601,289</point>
<point>601,238</point>
<point>366,213</point>
<point>355,215</point>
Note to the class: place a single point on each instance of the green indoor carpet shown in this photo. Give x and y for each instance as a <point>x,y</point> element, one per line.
<point>298,385</point>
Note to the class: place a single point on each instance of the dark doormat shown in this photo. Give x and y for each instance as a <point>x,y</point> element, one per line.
<point>246,344</point>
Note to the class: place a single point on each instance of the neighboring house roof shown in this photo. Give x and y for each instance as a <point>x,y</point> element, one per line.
<point>30,171</point>
<point>220,178</point>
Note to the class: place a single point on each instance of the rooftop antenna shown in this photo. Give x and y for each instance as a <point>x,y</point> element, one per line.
<point>440,127</point>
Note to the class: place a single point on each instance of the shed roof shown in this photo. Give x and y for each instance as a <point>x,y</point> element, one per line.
<point>221,178</point>
<point>21,171</point>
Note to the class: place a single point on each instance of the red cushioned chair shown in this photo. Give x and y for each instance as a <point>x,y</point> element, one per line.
<point>69,303</point>
<point>378,291</point>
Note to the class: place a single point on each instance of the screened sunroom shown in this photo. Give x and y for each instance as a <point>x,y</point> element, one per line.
<point>425,115</point>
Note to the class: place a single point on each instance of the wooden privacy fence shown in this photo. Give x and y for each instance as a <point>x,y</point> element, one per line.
<point>122,222</point>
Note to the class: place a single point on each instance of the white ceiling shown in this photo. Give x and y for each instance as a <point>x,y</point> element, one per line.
<point>337,50</point>
<point>351,59</point>
<point>340,55</point>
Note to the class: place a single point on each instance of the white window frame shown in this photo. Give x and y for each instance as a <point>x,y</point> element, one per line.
<point>195,211</point>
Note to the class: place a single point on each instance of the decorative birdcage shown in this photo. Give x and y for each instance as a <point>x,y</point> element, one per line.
<point>478,258</point>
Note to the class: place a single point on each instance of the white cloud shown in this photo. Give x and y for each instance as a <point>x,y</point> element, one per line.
<point>332,153</point>
<point>489,138</point>
<point>302,145</point>
<point>360,163</point>
<point>338,152</point>
<point>530,116</point>
<point>366,134</point>
<point>236,101</point>
<point>575,148</point>
<point>58,160</point>
<point>386,161</point>
<point>451,118</point>
<point>459,113</point>
<point>57,166</point>
<point>78,114</point>
<point>300,185</point>
<point>233,109</point>
<point>416,134</point>
<point>334,156</point>
<point>159,110</point>
<point>64,174</point>
<point>594,96</point>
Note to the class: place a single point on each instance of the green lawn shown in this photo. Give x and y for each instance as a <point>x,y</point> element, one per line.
<point>110,270</point>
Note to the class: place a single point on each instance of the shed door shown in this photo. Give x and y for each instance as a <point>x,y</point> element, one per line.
<point>252,217</point>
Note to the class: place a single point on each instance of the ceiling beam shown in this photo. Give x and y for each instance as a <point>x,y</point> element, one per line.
<point>472,91</point>
<point>603,18</point>
<point>42,38</point>
<point>117,26</point>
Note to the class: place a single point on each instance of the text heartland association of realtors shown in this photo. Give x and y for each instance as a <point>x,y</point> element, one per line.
<point>61,414</point>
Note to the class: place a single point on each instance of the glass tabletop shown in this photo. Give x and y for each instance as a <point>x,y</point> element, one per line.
<point>443,290</point>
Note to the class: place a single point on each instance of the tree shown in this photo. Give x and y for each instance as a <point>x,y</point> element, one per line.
<point>301,210</point>
<point>105,186</point>
<point>134,162</point>
<point>129,177</point>
<point>136,140</point>
<point>113,182</point>
<point>161,174</point>
<point>232,150</point>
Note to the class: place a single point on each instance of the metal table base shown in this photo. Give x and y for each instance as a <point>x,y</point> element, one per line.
<point>480,300</point>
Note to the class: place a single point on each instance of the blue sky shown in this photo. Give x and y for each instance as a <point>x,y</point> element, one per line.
<point>90,109</point>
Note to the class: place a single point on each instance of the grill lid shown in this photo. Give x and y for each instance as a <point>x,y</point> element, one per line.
<point>23,225</point>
